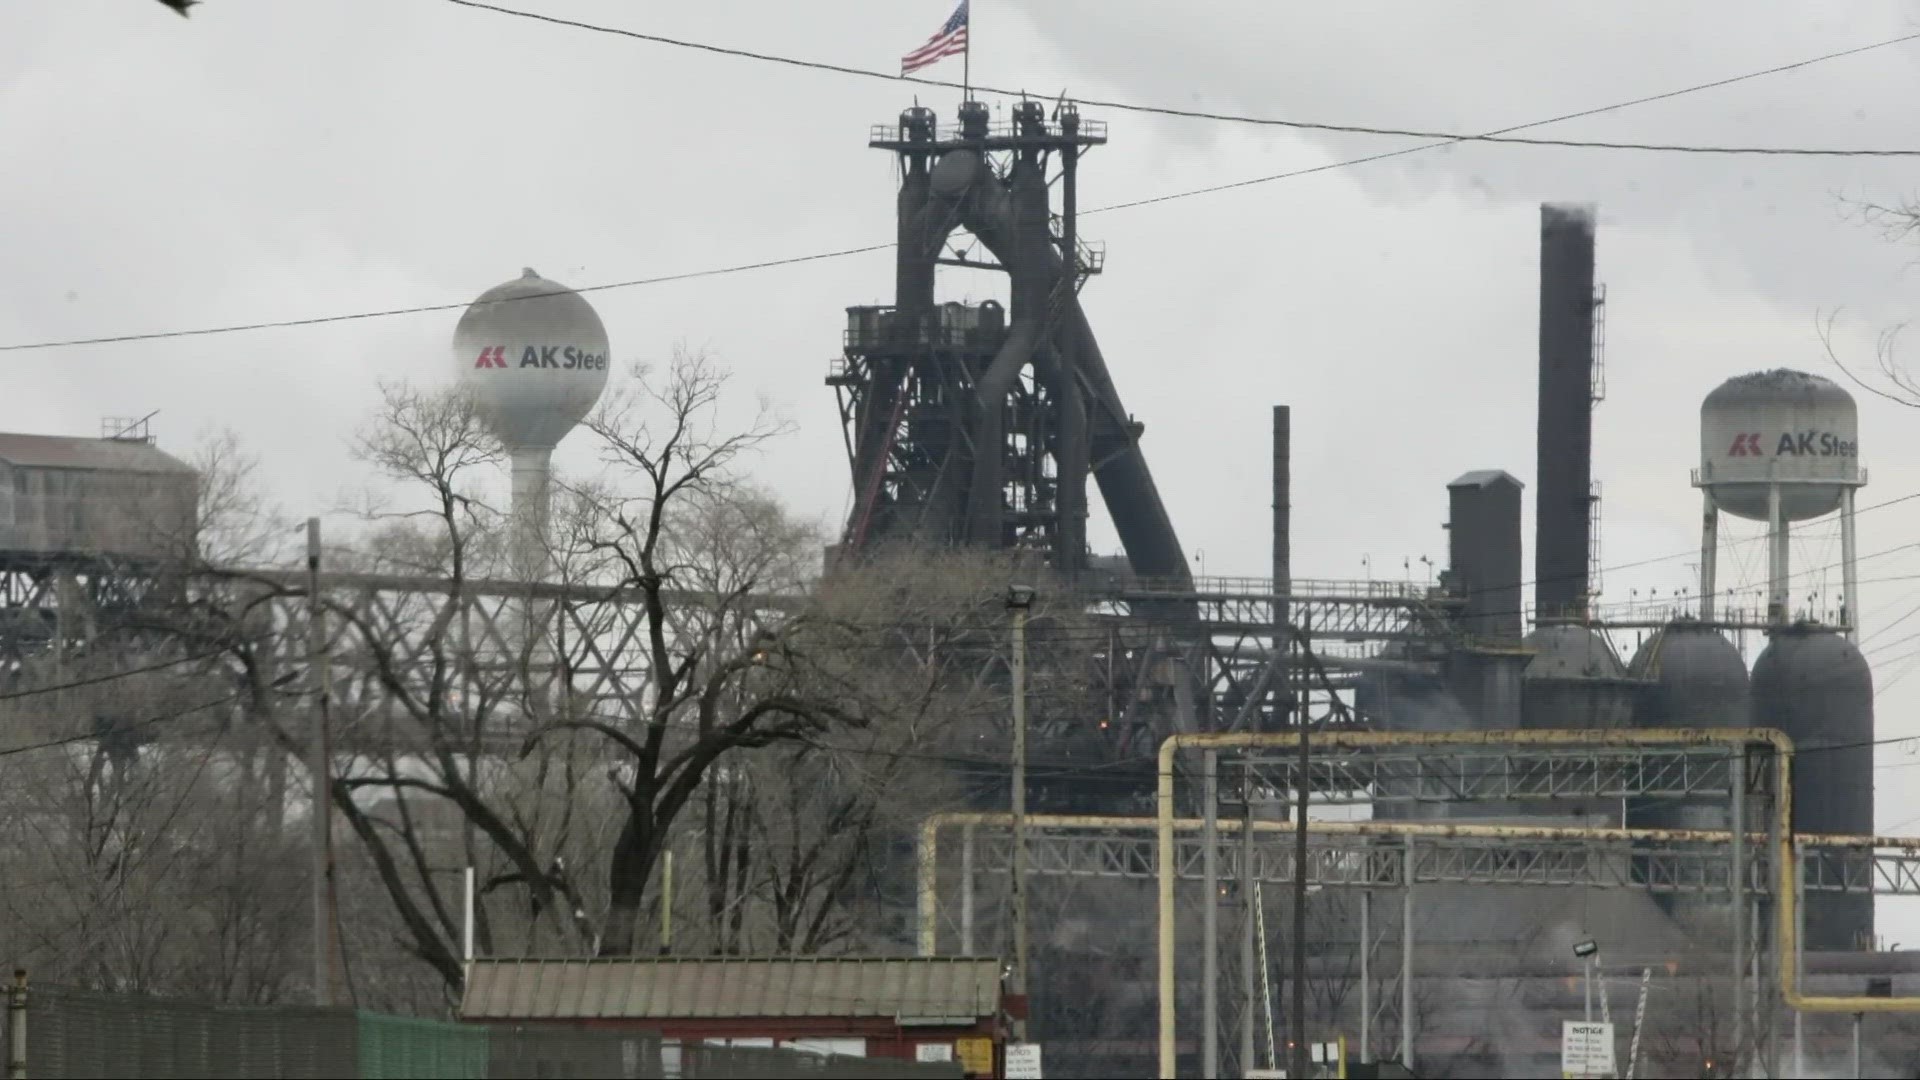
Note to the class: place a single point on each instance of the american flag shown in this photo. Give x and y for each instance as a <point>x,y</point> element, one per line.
<point>950,41</point>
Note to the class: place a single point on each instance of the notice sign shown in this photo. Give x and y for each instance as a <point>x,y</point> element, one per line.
<point>1586,1049</point>
<point>1023,1061</point>
<point>976,1056</point>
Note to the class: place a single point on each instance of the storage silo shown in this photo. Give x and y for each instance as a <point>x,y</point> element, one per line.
<point>1695,678</point>
<point>1815,686</point>
<point>1575,681</point>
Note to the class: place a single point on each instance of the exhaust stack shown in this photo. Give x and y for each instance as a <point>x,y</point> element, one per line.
<point>1563,491</point>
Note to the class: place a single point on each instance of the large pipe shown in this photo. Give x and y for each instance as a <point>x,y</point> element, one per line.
<point>1563,478</point>
<point>984,496</point>
<point>1780,833</point>
<point>1119,466</point>
<point>917,242</point>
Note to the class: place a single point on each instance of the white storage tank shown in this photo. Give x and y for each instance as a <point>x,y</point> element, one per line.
<point>1783,427</point>
<point>1779,446</point>
<point>534,356</point>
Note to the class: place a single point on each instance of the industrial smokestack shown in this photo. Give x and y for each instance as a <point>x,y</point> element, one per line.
<point>1563,491</point>
<point>1282,563</point>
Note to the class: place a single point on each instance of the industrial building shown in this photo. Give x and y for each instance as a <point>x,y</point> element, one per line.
<point>925,1010</point>
<point>995,425</point>
<point>977,424</point>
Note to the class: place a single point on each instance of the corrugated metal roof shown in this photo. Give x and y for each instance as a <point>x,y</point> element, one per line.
<point>904,988</point>
<point>65,452</point>
<point>1485,477</point>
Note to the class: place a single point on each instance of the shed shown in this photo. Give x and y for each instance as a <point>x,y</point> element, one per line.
<point>910,1008</point>
<point>65,497</point>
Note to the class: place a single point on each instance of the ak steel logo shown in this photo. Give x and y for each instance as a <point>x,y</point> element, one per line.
<point>562,357</point>
<point>1813,443</point>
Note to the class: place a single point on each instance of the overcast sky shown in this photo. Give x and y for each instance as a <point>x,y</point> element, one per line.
<point>266,161</point>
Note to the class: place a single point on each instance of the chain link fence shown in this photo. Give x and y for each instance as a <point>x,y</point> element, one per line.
<point>85,1034</point>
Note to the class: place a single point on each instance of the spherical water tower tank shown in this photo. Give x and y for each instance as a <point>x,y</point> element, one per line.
<point>533,354</point>
<point>1798,430</point>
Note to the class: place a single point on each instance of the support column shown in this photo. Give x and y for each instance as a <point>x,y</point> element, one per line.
<point>966,891</point>
<point>1737,880</point>
<point>1799,958</point>
<point>1406,960</point>
<point>1248,913</point>
<point>1776,558</point>
<point>1849,568</point>
<point>1366,976</point>
<point>1210,919</point>
<point>1709,553</point>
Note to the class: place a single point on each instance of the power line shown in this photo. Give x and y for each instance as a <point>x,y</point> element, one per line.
<point>108,677</point>
<point>1443,139</point>
<point>153,721</point>
<point>1499,136</point>
<point>427,308</point>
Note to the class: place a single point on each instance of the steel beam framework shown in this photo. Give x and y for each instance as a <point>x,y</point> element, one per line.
<point>1373,861</point>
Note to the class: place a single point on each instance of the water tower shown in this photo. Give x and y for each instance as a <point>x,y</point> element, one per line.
<point>533,355</point>
<point>1779,446</point>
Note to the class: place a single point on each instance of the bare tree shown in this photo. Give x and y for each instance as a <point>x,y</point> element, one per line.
<point>144,820</point>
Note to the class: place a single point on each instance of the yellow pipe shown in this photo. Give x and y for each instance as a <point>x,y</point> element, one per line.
<point>929,843</point>
<point>1785,900</point>
<point>1569,738</point>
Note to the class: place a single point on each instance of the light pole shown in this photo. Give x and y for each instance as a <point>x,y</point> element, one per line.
<point>321,767</point>
<point>1019,602</point>
<point>1587,951</point>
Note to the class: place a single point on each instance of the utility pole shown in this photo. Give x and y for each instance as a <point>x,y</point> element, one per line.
<point>320,769</point>
<point>17,1026</point>
<point>1019,602</point>
<point>1302,1061</point>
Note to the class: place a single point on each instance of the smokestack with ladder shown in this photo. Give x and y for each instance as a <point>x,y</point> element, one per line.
<point>1563,492</point>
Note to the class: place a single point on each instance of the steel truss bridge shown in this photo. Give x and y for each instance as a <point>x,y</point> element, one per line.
<point>1180,657</point>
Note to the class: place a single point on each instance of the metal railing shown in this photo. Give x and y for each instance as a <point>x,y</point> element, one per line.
<point>1331,589</point>
<point>997,130</point>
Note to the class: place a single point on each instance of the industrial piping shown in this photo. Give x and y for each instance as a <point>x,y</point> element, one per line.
<point>1780,834</point>
<point>927,854</point>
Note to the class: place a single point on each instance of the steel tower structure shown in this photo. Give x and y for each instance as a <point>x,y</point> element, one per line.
<point>977,424</point>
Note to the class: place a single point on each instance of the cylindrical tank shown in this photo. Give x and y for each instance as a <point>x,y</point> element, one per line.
<point>1574,681</point>
<point>1814,685</point>
<point>1800,430</point>
<point>1695,679</point>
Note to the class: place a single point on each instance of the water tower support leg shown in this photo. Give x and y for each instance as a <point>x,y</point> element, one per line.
<point>1709,553</point>
<point>1776,558</point>
<point>1849,571</point>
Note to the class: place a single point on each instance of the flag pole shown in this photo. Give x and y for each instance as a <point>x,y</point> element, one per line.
<point>966,60</point>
